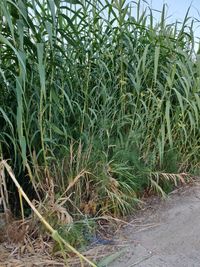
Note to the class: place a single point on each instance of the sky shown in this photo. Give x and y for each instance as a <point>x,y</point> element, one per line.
<point>177,10</point>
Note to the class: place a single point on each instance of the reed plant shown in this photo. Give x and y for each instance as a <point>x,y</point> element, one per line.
<point>99,101</point>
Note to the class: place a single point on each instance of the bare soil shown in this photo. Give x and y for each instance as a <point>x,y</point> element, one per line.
<point>164,234</point>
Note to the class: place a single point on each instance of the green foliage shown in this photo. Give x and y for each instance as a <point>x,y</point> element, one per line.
<point>78,234</point>
<point>95,98</point>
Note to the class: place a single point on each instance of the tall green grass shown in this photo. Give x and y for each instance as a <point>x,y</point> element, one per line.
<point>98,101</point>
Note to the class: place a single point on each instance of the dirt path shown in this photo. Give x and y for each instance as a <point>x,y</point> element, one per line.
<point>166,234</point>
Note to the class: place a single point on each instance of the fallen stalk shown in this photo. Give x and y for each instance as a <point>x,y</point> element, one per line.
<point>55,235</point>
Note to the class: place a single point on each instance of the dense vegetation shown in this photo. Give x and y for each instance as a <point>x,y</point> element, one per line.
<point>99,102</point>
